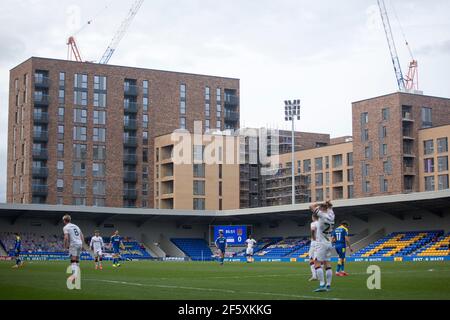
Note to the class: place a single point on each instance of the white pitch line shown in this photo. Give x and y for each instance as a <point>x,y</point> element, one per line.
<point>209,289</point>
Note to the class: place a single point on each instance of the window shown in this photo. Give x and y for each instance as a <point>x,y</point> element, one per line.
<point>80,81</point>
<point>79,169</point>
<point>99,152</point>
<point>145,87</point>
<point>442,145</point>
<point>99,134</point>
<point>59,185</point>
<point>220,171</point>
<point>383,149</point>
<point>145,155</point>
<point>61,114</point>
<point>299,166</point>
<point>428,147</point>
<point>368,152</point>
<point>99,117</point>
<point>319,194</point>
<point>350,175</point>
<point>387,167</point>
<point>182,123</point>
<point>319,179</point>
<point>145,104</point>
<point>199,170</point>
<point>99,83</point>
<point>428,165</point>
<point>100,100</point>
<point>79,133</point>
<point>307,165</point>
<point>199,204</point>
<point>61,96</point>
<point>99,188</point>
<point>442,164</point>
<point>199,188</point>
<point>80,116</point>
<point>207,94</point>
<point>365,169</point>
<point>443,182</point>
<point>427,119</point>
<point>327,162</point>
<point>337,161</point>
<point>429,183</point>
<point>219,124</point>
<point>198,153</point>
<point>207,124</point>
<point>99,202</point>
<point>182,91</point>
<point>364,118</point>
<point>60,166</point>
<point>183,107</point>
<point>61,132</point>
<point>62,79</point>
<point>383,184</point>
<point>79,151</point>
<point>79,201</point>
<point>207,110</point>
<point>385,114</point>
<point>145,137</point>
<point>220,188</point>
<point>350,159</point>
<point>383,132</point>
<point>98,169</point>
<point>366,187</point>
<point>145,120</point>
<point>318,164</point>
<point>79,187</point>
<point>80,98</point>
<point>60,150</point>
<point>350,192</point>
<point>218,95</point>
<point>365,135</point>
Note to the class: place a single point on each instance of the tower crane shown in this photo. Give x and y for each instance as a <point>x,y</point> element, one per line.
<point>121,32</point>
<point>410,82</point>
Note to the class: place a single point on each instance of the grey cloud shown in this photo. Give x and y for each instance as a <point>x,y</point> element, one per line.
<point>436,48</point>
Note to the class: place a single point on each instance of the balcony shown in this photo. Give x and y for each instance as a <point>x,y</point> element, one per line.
<point>231,100</point>
<point>130,141</point>
<point>40,154</point>
<point>40,117</point>
<point>130,107</point>
<point>41,81</point>
<point>130,158</point>
<point>408,135</point>
<point>41,99</point>
<point>231,116</point>
<point>41,172</point>
<point>40,136</point>
<point>130,124</point>
<point>408,152</point>
<point>130,194</point>
<point>39,189</point>
<point>409,170</point>
<point>407,116</point>
<point>130,89</point>
<point>130,176</point>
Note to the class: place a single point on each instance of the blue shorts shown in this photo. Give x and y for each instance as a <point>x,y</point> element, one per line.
<point>222,249</point>
<point>17,252</point>
<point>116,250</point>
<point>341,252</point>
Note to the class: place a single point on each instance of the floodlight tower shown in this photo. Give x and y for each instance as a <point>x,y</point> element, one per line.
<point>292,113</point>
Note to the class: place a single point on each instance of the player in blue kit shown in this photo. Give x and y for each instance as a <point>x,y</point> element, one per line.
<point>341,242</point>
<point>221,244</point>
<point>117,244</point>
<point>17,248</point>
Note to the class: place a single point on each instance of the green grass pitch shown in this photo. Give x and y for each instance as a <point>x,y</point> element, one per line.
<point>233,281</point>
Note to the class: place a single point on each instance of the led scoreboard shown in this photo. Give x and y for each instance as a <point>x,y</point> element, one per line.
<point>235,235</point>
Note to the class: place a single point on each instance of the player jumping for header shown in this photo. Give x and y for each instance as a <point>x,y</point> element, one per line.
<point>325,223</point>
<point>221,245</point>
<point>341,242</point>
<point>97,246</point>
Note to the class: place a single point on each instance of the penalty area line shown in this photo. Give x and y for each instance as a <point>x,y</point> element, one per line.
<point>136,284</point>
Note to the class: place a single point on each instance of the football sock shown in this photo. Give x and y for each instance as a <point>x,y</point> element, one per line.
<point>74,269</point>
<point>313,270</point>
<point>329,276</point>
<point>339,266</point>
<point>342,265</point>
<point>320,276</point>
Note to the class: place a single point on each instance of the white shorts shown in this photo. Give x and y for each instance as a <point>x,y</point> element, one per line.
<point>312,250</point>
<point>75,250</point>
<point>323,251</point>
<point>249,251</point>
<point>98,253</point>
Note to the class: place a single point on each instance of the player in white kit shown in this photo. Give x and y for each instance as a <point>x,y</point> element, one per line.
<point>325,224</point>
<point>250,245</point>
<point>97,246</point>
<point>312,249</point>
<point>73,240</point>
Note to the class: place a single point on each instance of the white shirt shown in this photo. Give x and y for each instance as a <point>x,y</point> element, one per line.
<point>96,243</point>
<point>325,225</point>
<point>74,234</point>
<point>250,243</point>
<point>314,231</point>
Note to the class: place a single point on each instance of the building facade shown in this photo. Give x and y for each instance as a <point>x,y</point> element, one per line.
<point>197,173</point>
<point>83,133</point>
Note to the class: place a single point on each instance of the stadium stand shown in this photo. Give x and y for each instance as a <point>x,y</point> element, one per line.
<point>283,248</point>
<point>261,244</point>
<point>438,248</point>
<point>398,244</point>
<point>196,249</point>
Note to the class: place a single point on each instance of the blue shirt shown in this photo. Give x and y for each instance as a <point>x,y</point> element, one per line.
<point>116,240</point>
<point>221,242</point>
<point>339,234</point>
<point>17,243</point>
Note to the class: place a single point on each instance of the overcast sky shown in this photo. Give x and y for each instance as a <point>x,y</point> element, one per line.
<point>327,53</point>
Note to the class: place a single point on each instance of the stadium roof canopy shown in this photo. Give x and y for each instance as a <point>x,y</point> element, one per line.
<point>437,203</point>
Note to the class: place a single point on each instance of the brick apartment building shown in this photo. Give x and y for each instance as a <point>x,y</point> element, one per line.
<point>83,133</point>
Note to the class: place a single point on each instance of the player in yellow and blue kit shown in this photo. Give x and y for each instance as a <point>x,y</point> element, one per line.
<point>17,248</point>
<point>341,242</point>
<point>116,244</point>
<point>221,244</point>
